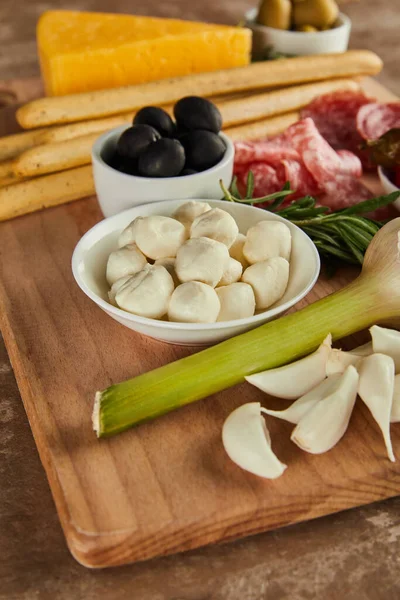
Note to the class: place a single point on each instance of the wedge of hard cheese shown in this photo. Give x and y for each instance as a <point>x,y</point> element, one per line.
<point>82,51</point>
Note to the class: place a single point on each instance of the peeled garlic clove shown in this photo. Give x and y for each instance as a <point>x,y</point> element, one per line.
<point>386,341</point>
<point>146,293</point>
<point>364,350</point>
<point>298,409</point>
<point>267,239</point>
<point>159,237</point>
<point>201,259</point>
<point>189,211</point>
<point>324,425</point>
<point>232,273</point>
<point>375,389</point>
<point>216,224</point>
<point>237,301</point>
<point>236,250</point>
<point>125,261</point>
<point>338,361</point>
<point>248,444</point>
<point>395,413</point>
<point>268,279</point>
<point>128,235</point>
<point>194,302</point>
<point>297,378</point>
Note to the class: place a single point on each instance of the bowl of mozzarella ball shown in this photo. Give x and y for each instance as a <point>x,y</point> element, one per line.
<point>195,272</point>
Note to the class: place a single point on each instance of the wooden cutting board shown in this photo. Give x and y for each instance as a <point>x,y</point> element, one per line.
<point>166,486</point>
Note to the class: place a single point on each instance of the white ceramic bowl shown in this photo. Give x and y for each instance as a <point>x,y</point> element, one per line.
<point>118,191</point>
<point>388,185</point>
<point>299,42</point>
<point>91,253</point>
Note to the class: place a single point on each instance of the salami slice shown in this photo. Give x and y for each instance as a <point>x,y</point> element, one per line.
<point>351,164</point>
<point>374,119</point>
<point>301,180</point>
<point>344,191</point>
<point>265,179</point>
<point>268,152</point>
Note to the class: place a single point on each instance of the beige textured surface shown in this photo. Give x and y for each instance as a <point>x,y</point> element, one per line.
<point>353,555</point>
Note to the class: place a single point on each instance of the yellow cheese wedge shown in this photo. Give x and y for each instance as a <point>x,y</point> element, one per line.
<point>83,51</point>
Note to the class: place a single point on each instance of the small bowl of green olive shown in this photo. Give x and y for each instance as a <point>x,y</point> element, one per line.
<point>163,158</point>
<point>298,27</point>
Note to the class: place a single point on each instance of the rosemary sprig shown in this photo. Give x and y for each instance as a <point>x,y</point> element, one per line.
<point>342,235</point>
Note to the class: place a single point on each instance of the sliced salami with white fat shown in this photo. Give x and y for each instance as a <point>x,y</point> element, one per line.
<point>344,191</point>
<point>268,152</point>
<point>374,119</point>
<point>351,164</point>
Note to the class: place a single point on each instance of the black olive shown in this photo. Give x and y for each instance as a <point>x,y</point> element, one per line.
<point>125,165</point>
<point>135,140</point>
<point>188,172</point>
<point>155,117</point>
<point>203,149</point>
<point>163,158</point>
<point>194,112</point>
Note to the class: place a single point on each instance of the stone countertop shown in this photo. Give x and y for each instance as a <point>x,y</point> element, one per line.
<point>352,555</point>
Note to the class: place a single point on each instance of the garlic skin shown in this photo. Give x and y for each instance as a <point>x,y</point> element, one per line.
<point>194,302</point>
<point>215,224</point>
<point>375,389</point>
<point>232,272</point>
<point>248,444</point>
<point>267,239</point>
<point>324,425</point>
<point>146,293</point>
<point>169,264</point>
<point>201,259</point>
<point>300,407</point>
<point>236,250</point>
<point>189,211</point>
<point>115,287</point>
<point>237,301</point>
<point>159,237</point>
<point>296,378</point>
<point>395,412</point>
<point>269,280</point>
<point>128,235</point>
<point>125,261</point>
<point>386,341</point>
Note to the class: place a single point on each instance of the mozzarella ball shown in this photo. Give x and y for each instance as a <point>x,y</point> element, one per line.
<point>194,302</point>
<point>236,250</point>
<point>125,261</point>
<point>201,259</point>
<point>146,293</point>
<point>266,240</point>
<point>233,272</point>
<point>268,279</point>
<point>128,236</point>
<point>115,287</point>
<point>169,264</point>
<point>188,212</point>
<point>237,301</point>
<point>217,225</point>
<point>159,237</point>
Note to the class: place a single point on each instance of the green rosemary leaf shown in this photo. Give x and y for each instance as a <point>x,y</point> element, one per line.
<point>371,205</point>
<point>234,189</point>
<point>250,185</point>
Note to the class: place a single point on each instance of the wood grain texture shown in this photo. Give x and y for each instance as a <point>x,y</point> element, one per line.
<point>166,486</point>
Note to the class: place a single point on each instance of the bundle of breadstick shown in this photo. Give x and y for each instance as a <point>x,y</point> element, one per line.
<point>38,166</point>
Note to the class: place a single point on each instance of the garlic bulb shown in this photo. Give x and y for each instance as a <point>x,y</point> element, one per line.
<point>236,250</point>
<point>201,259</point>
<point>296,378</point>
<point>386,341</point>
<point>237,301</point>
<point>128,235</point>
<point>125,261</point>
<point>169,264</point>
<point>232,273</point>
<point>321,428</point>
<point>248,444</point>
<point>395,414</point>
<point>216,224</point>
<point>268,279</point>
<point>300,407</point>
<point>189,211</point>
<point>146,293</point>
<point>267,239</point>
<point>159,237</point>
<point>375,389</point>
<point>194,302</point>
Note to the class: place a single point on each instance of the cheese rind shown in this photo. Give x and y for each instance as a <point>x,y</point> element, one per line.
<point>81,51</point>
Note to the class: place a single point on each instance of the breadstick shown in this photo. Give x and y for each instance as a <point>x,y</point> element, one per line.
<point>49,158</point>
<point>7,173</point>
<point>68,132</point>
<point>46,191</point>
<point>268,104</point>
<point>262,129</point>
<point>12,145</point>
<point>78,107</point>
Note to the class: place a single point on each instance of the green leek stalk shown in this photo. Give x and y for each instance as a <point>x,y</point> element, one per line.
<point>373,297</point>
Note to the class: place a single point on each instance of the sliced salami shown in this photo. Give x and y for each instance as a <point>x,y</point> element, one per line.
<point>301,180</point>
<point>344,191</point>
<point>265,179</point>
<point>351,164</point>
<point>267,152</point>
<point>374,119</point>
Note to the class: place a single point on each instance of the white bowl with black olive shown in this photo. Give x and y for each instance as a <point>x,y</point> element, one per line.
<point>159,158</point>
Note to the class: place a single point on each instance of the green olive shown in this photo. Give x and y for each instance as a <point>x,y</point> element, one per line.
<point>275,13</point>
<point>318,13</point>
